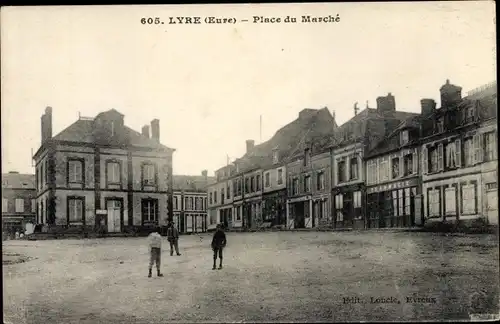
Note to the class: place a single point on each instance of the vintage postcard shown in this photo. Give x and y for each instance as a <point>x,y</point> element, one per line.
<point>221,163</point>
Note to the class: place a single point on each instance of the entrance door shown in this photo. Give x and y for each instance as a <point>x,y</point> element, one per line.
<point>299,215</point>
<point>114,216</point>
<point>492,206</point>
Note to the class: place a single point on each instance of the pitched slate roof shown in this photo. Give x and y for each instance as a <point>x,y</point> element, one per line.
<point>288,139</point>
<point>191,182</point>
<point>82,131</point>
<point>18,181</point>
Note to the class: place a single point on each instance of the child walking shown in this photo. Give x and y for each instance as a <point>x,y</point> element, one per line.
<point>218,244</point>
<point>155,251</point>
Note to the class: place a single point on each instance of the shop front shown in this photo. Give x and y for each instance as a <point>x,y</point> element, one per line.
<point>348,206</point>
<point>299,212</point>
<point>395,204</point>
<point>274,207</point>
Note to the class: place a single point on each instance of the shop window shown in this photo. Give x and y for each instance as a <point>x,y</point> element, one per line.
<point>339,205</point>
<point>407,201</point>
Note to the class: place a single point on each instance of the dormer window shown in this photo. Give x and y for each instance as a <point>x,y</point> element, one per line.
<point>440,125</point>
<point>404,137</point>
<point>469,115</point>
<point>275,157</point>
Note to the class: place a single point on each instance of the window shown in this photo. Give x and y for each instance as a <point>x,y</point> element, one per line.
<point>404,137</point>
<point>75,171</point>
<point>113,173</point>
<point>176,203</point>
<point>215,197</point>
<point>211,200</point>
<point>295,186</point>
<point>228,190</point>
<point>222,195</point>
<point>490,146</point>
<point>407,201</point>
<point>306,157</point>
<point>451,155</point>
<point>469,115</point>
<point>339,205</point>
<point>275,157</point>
<point>434,203</point>
<point>148,174</point>
<point>307,183</point>
<point>395,168</point>
<point>341,172</point>
<point>354,168</point>
<point>33,205</point>
<point>75,211</point>
<point>320,180</point>
<point>19,205</point>
<point>440,125</point>
<point>267,181</point>
<point>150,211</point>
<point>258,182</point>
<point>400,203</point>
<point>188,203</point>
<point>280,177</point>
<point>5,205</point>
<point>384,169</point>
<point>433,154</point>
<point>372,172</point>
<point>238,213</point>
<point>252,184</point>
<point>408,164</point>
<point>450,202</point>
<point>357,199</point>
<point>247,185</point>
<point>112,128</point>
<point>469,199</point>
<point>468,152</point>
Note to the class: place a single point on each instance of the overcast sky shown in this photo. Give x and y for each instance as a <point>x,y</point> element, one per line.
<point>208,84</point>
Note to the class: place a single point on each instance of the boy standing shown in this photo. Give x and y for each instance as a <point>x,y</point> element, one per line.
<point>218,244</point>
<point>155,251</point>
<point>173,238</point>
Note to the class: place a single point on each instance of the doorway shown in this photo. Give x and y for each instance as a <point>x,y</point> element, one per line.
<point>492,206</point>
<point>114,208</point>
<point>300,221</point>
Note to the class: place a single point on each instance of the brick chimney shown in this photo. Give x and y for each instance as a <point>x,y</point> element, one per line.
<point>145,130</point>
<point>386,104</point>
<point>155,129</point>
<point>428,106</point>
<point>47,124</point>
<point>250,145</point>
<point>450,94</point>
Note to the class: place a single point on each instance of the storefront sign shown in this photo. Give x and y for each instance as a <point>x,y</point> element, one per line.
<point>392,186</point>
<point>304,198</point>
<point>101,212</point>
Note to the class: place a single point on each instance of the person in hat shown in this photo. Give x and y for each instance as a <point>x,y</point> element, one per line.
<point>218,244</point>
<point>173,238</point>
<point>154,239</point>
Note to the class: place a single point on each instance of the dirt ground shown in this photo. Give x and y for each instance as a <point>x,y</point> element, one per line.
<point>272,277</point>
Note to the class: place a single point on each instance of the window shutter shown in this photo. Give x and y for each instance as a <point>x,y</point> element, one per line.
<point>479,150</point>
<point>347,168</point>
<point>458,152</point>
<point>440,157</point>
<point>475,147</point>
<point>425,159</point>
<point>415,161</point>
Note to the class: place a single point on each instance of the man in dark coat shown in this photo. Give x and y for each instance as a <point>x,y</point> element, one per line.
<point>173,238</point>
<point>218,244</point>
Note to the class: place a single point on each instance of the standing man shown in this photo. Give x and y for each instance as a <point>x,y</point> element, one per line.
<point>218,244</point>
<point>173,238</point>
<point>155,251</point>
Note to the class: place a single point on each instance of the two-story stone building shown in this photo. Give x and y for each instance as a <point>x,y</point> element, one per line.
<point>220,199</point>
<point>18,202</point>
<point>459,157</point>
<point>190,202</point>
<point>353,140</point>
<point>99,173</point>
<point>393,183</point>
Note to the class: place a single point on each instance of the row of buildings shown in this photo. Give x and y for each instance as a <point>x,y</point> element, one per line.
<point>382,168</point>
<point>99,174</point>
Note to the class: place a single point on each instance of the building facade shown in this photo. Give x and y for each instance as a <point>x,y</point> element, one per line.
<point>459,157</point>
<point>98,174</point>
<point>190,202</point>
<point>393,182</point>
<point>18,202</point>
<point>274,191</point>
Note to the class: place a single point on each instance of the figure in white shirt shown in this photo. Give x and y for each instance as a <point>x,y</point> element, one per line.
<point>155,251</point>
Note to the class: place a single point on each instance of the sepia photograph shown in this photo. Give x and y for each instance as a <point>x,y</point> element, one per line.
<point>250,163</point>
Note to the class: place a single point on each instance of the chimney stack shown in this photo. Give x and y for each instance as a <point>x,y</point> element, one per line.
<point>47,124</point>
<point>450,94</point>
<point>428,106</point>
<point>250,145</point>
<point>204,173</point>
<point>386,104</point>
<point>145,130</point>
<point>155,129</point>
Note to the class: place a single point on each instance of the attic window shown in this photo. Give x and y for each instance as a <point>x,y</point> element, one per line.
<point>404,137</point>
<point>275,157</point>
